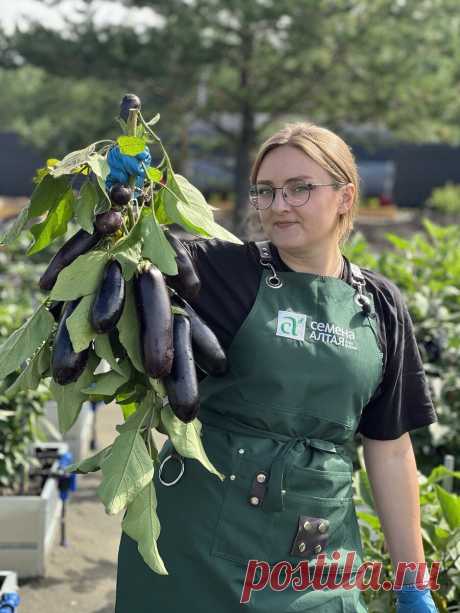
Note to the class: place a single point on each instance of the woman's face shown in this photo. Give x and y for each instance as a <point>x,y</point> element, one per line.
<point>303,228</point>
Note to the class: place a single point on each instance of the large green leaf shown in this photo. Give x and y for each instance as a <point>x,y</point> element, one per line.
<point>80,278</point>
<point>25,341</point>
<point>129,328</point>
<point>54,225</point>
<point>91,464</point>
<point>186,438</point>
<point>125,472</point>
<point>141,523</point>
<point>156,246</point>
<point>106,384</point>
<point>103,348</point>
<point>450,505</point>
<point>15,228</point>
<point>79,324</point>
<point>85,206</point>
<point>69,397</point>
<point>30,376</point>
<point>47,194</point>
<point>100,167</point>
<point>73,161</point>
<point>129,259</point>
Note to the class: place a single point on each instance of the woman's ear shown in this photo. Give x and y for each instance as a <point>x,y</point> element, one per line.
<point>348,194</point>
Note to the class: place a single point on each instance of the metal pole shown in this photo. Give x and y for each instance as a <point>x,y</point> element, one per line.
<point>449,462</point>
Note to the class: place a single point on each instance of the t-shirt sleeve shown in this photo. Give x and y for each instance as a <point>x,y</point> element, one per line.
<point>403,401</point>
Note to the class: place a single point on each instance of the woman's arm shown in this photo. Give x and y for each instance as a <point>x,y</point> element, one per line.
<point>392,472</point>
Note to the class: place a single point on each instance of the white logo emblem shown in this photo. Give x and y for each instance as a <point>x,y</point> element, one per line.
<point>291,325</point>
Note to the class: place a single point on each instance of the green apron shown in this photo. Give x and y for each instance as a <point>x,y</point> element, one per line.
<point>303,365</point>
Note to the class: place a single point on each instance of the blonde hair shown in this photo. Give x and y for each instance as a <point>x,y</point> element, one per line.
<point>325,148</point>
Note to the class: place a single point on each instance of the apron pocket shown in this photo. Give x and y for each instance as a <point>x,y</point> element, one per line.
<point>244,532</point>
<point>326,517</point>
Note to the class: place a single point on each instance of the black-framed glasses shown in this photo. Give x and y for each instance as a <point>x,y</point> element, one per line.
<point>295,192</point>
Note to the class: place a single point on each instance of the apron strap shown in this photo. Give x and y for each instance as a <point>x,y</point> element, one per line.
<point>266,260</point>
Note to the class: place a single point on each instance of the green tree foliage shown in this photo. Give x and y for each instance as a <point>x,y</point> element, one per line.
<point>385,62</point>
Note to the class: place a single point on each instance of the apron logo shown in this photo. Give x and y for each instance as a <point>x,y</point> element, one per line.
<point>291,325</point>
<point>332,334</point>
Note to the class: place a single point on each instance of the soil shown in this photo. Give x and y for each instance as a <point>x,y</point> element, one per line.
<point>81,577</point>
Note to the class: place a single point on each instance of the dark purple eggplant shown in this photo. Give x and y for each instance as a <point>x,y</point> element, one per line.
<point>120,194</point>
<point>207,350</point>
<point>129,101</point>
<point>186,282</point>
<point>66,365</point>
<point>154,312</point>
<point>108,222</point>
<point>182,384</point>
<point>80,243</point>
<point>110,299</point>
<point>55,308</point>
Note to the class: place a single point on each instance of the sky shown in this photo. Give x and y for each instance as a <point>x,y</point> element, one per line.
<point>16,12</point>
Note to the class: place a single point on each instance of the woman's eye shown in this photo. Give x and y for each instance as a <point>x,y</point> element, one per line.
<point>264,191</point>
<point>301,188</point>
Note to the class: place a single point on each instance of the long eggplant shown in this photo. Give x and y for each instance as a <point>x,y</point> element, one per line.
<point>66,365</point>
<point>187,282</point>
<point>182,384</point>
<point>154,312</point>
<point>208,352</point>
<point>80,243</point>
<point>110,298</point>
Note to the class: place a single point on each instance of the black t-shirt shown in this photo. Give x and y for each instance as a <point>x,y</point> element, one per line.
<point>230,276</point>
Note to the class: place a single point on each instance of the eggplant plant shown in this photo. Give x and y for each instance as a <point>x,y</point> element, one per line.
<point>117,291</point>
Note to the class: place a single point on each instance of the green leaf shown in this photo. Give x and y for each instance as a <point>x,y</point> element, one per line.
<point>141,523</point>
<point>91,464</point>
<point>15,228</point>
<point>103,348</point>
<point>54,225</point>
<point>129,260</point>
<point>25,341</point>
<point>69,397</point>
<point>186,438</point>
<point>130,241</point>
<point>129,328</point>
<point>154,174</point>
<point>73,161</point>
<point>450,505</point>
<point>156,246</point>
<point>106,384</point>
<point>100,167</point>
<point>85,206</point>
<point>29,378</point>
<point>191,210</point>
<point>136,420</point>
<point>47,194</point>
<point>131,145</point>
<point>127,409</point>
<point>154,120</point>
<point>79,325</point>
<point>80,278</point>
<point>125,472</point>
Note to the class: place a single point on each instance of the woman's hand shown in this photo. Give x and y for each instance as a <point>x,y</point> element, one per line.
<point>411,600</point>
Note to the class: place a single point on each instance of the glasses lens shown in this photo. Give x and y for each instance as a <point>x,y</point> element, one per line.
<point>297,192</point>
<point>261,196</point>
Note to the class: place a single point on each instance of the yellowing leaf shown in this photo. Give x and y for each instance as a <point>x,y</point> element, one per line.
<point>131,145</point>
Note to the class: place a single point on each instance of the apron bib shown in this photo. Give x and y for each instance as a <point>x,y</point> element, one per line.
<point>304,363</point>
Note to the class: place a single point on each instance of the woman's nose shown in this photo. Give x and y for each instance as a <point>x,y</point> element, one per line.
<point>279,202</point>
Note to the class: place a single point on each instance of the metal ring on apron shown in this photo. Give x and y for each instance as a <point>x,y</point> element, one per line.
<point>364,302</point>
<point>174,456</point>
<point>272,281</point>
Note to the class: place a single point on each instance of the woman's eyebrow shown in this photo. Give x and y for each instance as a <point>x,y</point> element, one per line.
<point>265,181</point>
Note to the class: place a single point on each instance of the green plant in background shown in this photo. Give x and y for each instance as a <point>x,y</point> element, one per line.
<point>426,268</point>
<point>440,512</point>
<point>445,199</point>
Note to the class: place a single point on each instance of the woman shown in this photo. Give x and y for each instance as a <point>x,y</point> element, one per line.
<point>318,350</point>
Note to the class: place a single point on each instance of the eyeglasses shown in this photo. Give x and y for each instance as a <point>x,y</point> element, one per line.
<point>295,192</point>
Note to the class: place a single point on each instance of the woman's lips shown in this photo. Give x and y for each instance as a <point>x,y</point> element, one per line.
<point>284,224</point>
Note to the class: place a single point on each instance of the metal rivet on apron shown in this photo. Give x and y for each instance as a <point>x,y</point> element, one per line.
<point>241,451</point>
<point>317,548</point>
<point>307,526</point>
<point>302,547</point>
<point>232,477</point>
<point>261,478</point>
<point>254,500</point>
<point>323,526</point>
<point>283,491</point>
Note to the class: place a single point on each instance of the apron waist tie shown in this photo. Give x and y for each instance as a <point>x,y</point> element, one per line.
<point>273,500</point>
